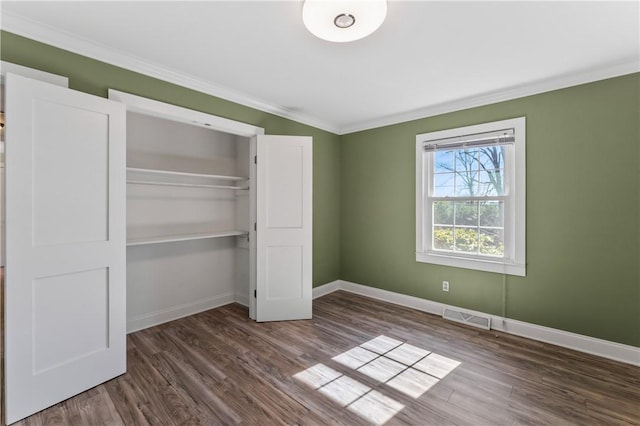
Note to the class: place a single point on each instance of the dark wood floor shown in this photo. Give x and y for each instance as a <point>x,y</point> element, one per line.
<point>219,367</point>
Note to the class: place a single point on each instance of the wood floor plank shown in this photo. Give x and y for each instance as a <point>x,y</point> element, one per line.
<point>125,401</point>
<point>55,416</point>
<point>196,391</point>
<point>98,410</point>
<point>221,368</point>
<point>161,403</point>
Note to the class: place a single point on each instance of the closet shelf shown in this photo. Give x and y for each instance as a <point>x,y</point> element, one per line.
<point>169,173</point>
<point>183,237</point>
<point>137,176</point>
<point>187,185</point>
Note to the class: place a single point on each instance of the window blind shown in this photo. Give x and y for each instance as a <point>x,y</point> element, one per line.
<point>500,137</point>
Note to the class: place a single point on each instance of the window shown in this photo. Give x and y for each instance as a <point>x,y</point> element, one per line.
<point>470,197</point>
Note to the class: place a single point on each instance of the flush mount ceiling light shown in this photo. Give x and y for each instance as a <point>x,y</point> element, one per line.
<point>342,21</point>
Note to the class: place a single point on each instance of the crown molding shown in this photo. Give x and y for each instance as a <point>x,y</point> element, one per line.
<point>560,82</point>
<point>52,36</point>
<point>67,41</point>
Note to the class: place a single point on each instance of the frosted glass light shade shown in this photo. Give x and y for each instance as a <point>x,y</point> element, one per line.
<point>319,16</point>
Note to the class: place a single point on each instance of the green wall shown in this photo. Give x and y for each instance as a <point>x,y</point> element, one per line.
<point>583,212</point>
<point>583,197</point>
<point>97,77</point>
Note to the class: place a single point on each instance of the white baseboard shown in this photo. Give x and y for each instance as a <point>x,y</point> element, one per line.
<point>591,345</point>
<point>150,319</point>
<point>604,348</point>
<point>242,299</point>
<point>326,288</point>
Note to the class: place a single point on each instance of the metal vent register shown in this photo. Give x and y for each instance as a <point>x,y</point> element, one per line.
<point>474,319</point>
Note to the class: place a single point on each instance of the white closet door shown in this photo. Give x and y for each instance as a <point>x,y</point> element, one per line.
<point>284,228</point>
<point>65,244</point>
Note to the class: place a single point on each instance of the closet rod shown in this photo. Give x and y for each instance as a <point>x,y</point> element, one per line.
<point>188,185</point>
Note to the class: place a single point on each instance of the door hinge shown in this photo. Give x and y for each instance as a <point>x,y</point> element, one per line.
<point>255,293</point>
<point>255,226</point>
<point>255,159</point>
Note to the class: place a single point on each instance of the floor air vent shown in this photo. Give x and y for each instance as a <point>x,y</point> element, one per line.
<point>474,319</point>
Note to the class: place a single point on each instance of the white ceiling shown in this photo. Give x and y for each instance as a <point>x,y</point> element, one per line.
<point>427,58</point>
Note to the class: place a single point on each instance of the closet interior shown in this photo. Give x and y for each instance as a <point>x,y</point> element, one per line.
<point>188,217</point>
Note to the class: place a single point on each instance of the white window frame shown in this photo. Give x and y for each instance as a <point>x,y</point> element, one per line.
<point>514,261</point>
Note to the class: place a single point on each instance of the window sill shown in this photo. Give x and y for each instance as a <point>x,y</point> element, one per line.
<point>499,267</point>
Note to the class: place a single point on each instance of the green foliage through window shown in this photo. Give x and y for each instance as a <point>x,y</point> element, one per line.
<point>469,240</point>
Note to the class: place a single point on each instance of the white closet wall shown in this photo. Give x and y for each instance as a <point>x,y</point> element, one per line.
<point>172,279</point>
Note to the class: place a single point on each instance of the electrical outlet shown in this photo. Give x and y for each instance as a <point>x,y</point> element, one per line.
<point>445,285</point>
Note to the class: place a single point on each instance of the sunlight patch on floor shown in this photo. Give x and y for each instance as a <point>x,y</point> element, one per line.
<point>318,375</point>
<point>376,407</point>
<point>356,357</point>
<point>344,390</point>
<point>399,365</point>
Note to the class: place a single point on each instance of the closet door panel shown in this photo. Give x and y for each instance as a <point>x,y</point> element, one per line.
<point>70,202</point>
<point>284,198</point>
<point>284,228</point>
<point>65,301</point>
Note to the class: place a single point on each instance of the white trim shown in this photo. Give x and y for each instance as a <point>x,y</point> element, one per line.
<point>591,345</point>
<point>547,85</point>
<point>151,319</point>
<point>325,289</point>
<point>475,263</point>
<point>54,37</point>
<point>167,111</point>
<point>67,41</point>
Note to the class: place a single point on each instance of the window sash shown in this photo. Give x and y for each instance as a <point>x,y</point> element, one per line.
<point>429,236</point>
<point>428,161</point>
<point>430,166</point>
